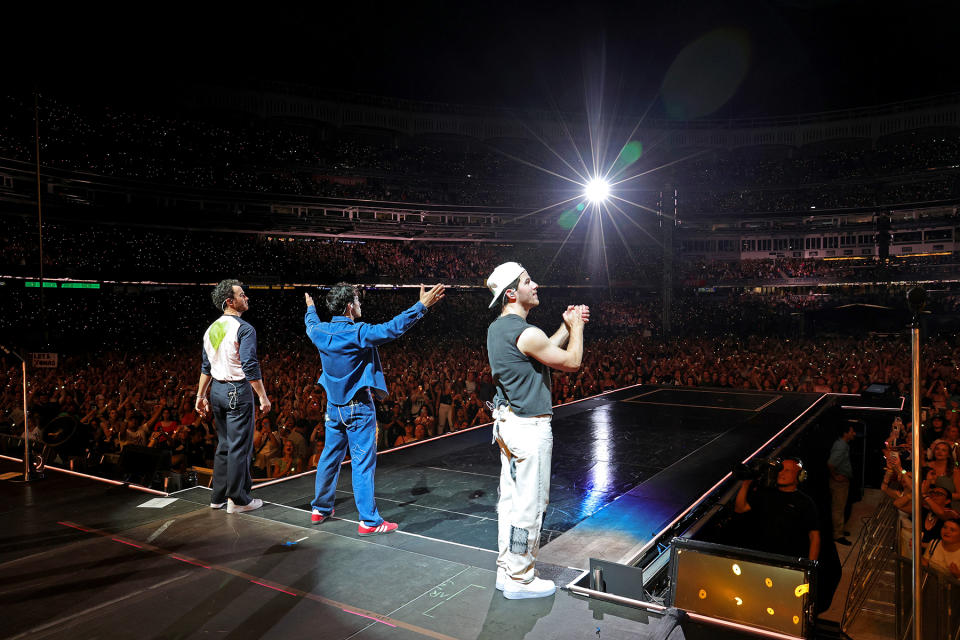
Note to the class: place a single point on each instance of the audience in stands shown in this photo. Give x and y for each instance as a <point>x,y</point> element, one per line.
<point>254,156</point>
<point>109,253</point>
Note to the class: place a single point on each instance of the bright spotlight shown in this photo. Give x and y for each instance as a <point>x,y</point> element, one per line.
<point>597,190</point>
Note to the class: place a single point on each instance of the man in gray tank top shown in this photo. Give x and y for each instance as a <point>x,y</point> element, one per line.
<point>521,356</point>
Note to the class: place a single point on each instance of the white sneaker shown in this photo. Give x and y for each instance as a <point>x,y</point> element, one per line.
<point>501,578</point>
<point>536,588</point>
<point>217,505</point>
<point>256,503</point>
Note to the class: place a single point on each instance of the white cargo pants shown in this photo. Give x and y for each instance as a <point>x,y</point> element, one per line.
<point>526,446</point>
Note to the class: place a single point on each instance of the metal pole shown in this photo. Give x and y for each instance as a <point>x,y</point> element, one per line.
<point>26,428</point>
<point>916,299</point>
<point>36,139</point>
<point>917,522</point>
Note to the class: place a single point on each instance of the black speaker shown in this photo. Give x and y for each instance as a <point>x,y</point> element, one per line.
<point>144,462</point>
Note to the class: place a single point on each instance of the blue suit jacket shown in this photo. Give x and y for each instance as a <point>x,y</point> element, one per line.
<point>348,351</point>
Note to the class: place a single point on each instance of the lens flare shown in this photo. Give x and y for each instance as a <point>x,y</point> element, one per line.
<point>597,190</point>
<point>630,153</point>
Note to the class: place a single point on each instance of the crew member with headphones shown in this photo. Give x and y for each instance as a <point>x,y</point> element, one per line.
<point>786,520</point>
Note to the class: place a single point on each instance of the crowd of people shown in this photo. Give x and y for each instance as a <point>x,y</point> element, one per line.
<point>256,157</point>
<point>111,253</point>
<point>129,388</point>
<point>102,252</point>
<point>701,273</point>
<point>229,153</point>
<point>939,527</point>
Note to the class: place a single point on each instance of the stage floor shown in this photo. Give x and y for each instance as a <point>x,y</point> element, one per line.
<point>82,559</point>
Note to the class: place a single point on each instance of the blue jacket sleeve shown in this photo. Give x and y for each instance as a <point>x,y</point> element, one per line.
<point>312,321</point>
<point>247,336</point>
<point>205,362</point>
<point>372,335</point>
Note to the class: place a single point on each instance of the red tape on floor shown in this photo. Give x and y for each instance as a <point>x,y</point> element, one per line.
<point>293,591</point>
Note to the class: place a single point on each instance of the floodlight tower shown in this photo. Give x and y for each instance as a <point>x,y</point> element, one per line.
<point>668,215</point>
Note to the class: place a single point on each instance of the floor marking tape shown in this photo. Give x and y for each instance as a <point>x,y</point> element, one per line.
<point>373,615</point>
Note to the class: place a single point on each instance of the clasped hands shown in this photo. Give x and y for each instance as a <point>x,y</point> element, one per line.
<point>576,314</point>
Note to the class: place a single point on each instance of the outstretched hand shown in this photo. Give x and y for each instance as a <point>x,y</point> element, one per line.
<point>309,299</point>
<point>431,297</point>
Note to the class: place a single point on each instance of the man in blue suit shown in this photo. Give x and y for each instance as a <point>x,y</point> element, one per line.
<point>351,376</point>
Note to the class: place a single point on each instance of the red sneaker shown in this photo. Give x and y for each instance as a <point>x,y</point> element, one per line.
<point>383,527</point>
<point>316,517</point>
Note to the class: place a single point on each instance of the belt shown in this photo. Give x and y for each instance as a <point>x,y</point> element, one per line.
<point>495,412</point>
<point>230,381</point>
<point>542,415</point>
<point>360,397</point>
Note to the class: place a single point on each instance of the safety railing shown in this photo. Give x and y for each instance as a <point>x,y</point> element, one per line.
<point>877,549</point>
<point>939,608</point>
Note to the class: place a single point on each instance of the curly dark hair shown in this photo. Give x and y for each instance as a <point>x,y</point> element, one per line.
<point>223,292</point>
<point>339,296</point>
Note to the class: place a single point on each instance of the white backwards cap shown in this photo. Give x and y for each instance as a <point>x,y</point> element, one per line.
<point>501,278</point>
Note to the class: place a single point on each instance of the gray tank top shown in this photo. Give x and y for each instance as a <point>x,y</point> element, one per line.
<point>522,382</point>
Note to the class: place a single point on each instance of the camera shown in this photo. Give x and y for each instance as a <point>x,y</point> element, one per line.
<point>763,470</point>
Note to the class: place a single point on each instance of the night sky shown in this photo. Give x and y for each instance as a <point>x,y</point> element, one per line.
<point>691,58</point>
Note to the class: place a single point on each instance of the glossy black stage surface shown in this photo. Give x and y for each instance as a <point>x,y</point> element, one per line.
<point>82,559</point>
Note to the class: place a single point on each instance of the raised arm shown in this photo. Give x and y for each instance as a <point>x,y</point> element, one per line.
<point>152,420</point>
<point>740,504</point>
<point>372,335</point>
<point>534,343</point>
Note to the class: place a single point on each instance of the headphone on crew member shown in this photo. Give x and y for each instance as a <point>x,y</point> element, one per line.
<point>802,474</point>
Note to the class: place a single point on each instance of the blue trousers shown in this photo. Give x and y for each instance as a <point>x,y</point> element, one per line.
<point>232,406</point>
<point>355,426</point>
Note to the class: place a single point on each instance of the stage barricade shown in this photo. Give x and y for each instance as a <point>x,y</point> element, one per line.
<point>940,606</point>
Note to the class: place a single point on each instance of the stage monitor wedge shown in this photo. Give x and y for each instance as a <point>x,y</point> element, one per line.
<point>762,590</point>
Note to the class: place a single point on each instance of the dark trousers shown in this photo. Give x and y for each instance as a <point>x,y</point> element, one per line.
<point>232,407</point>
